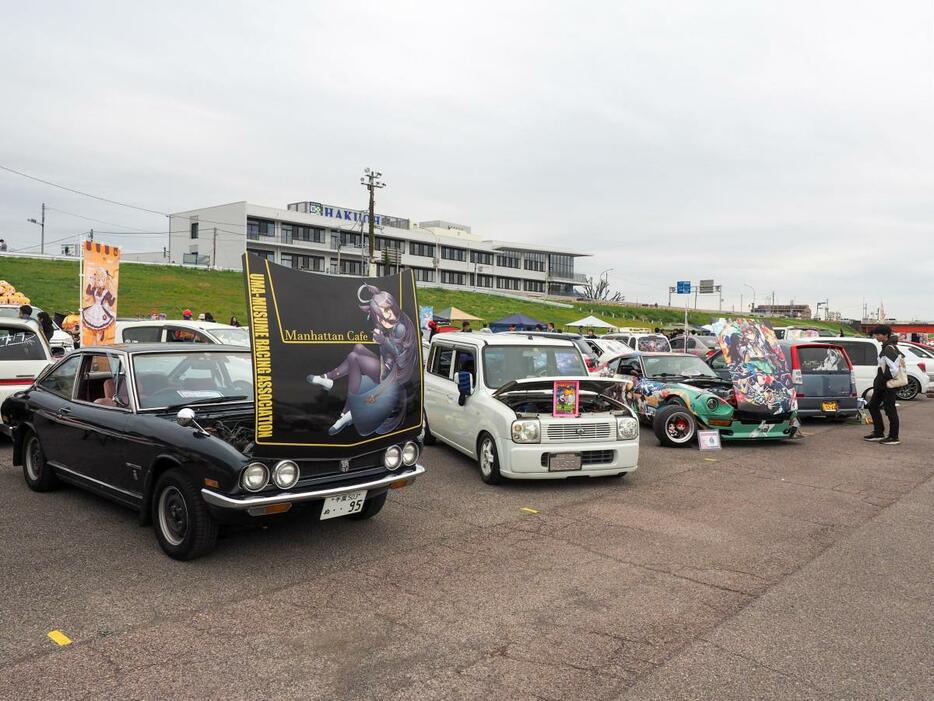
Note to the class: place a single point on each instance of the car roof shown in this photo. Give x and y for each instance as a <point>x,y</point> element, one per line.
<point>183,323</point>
<point>661,354</point>
<point>30,324</point>
<point>546,334</point>
<point>138,348</point>
<point>502,339</point>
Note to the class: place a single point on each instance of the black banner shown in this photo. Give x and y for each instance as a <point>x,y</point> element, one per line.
<point>336,361</point>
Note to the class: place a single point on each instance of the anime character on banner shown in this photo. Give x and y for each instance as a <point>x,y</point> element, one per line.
<point>99,293</point>
<point>757,365</point>
<point>426,314</point>
<point>376,384</point>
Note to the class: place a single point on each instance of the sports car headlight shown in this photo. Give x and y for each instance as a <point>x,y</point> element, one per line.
<point>409,453</point>
<point>255,476</point>
<point>392,458</point>
<point>713,403</point>
<point>285,474</point>
<point>526,431</point>
<point>627,428</point>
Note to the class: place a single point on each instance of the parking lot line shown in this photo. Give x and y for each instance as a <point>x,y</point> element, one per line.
<point>59,638</point>
<point>710,459</point>
<point>529,510</point>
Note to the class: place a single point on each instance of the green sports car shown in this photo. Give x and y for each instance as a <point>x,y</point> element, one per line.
<point>679,395</point>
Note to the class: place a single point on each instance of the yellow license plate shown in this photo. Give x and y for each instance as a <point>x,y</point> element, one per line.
<point>828,406</point>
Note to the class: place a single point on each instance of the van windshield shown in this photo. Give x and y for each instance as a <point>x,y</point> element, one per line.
<point>502,364</point>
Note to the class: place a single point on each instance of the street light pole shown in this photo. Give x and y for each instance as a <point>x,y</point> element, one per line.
<point>746,284</point>
<point>41,225</point>
<point>371,181</point>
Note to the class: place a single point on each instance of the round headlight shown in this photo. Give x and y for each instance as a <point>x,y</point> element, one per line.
<point>255,476</point>
<point>713,403</point>
<point>627,427</point>
<point>285,474</point>
<point>392,458</point>
<point>410,453</point>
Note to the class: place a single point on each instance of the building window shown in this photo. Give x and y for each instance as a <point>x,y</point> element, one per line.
<point>350,267</point>
<point>507,260</point>
<point>384,242</point>
<point>452,253</point>
<point>260,227</point>
<point>508,283</point>
<point>426,250</point>
<point>194,229</point>
<point>268,255</point>
<point>561,266</point>
<point>534,285</point>
<point>536,261</point>
<point>484,280</point>
<point>424,274</point>
<point>562,289</point>
<point>309,234</point>
<point>449,278</point>
<point>481,258</point>
<point>285,232</point>
<point>315,263</point>
<point>285,259</point>
<point>349,238</point>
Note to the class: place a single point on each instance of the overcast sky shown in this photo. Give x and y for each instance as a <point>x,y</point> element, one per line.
<point>783,145</point>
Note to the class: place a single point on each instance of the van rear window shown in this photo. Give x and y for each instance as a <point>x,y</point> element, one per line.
<point>821,360</point>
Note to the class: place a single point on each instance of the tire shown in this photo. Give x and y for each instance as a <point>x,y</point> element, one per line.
<point>184,528</point>
<point>909,391</point>
<point>488,459</point>
<point>675,426</point>
<point>39,476</point>
<point>429,437</point>
<point>371,507</point>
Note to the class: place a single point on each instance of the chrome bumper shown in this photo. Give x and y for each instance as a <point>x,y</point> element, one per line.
<point>243,503</point>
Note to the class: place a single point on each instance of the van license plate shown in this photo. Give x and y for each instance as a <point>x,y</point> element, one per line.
<point>343,504</point>
<point>828,406</point>
<point>564,462</point>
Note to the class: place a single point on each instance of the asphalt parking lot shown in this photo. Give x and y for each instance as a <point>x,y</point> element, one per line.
<point>792,570</point>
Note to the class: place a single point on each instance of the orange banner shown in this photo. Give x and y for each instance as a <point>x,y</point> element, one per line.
<point>99,293</point>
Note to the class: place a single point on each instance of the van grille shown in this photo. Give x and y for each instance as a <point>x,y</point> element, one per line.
<point>579,431</point>
<point>589,457</point>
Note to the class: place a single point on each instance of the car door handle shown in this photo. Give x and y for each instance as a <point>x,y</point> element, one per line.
<point>64,411</point>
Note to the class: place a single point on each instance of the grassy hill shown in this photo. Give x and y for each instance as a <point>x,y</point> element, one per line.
<point>53,285</point>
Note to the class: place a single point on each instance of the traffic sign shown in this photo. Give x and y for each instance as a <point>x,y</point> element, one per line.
<point>684,287</point>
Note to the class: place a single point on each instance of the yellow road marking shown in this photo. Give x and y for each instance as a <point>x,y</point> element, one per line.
<point>527,510</point>
<point>59,638</point>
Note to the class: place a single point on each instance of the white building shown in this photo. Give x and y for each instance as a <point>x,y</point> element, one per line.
<point>324,238</point>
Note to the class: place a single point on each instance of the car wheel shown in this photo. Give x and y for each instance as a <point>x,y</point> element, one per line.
<point>488,459</point>
<point>429,437</point>
<point>675,426</point>
<point>184,528</point>
<point>39,475</point>
<point>371,507</point>
<point>909,391</point>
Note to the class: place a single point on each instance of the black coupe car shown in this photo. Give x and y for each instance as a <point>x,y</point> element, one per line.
<point>169,431</point>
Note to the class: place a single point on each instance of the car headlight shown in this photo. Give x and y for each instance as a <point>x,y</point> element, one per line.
<point>392,458</point>
<point>255,476</point>
<point>526,431</point>
<point>713,403</point>
<point>627,428</point>
<point>285,474</point>
<point>410,453</point>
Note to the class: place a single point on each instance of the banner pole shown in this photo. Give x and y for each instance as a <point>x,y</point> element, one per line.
<point>80,290</point>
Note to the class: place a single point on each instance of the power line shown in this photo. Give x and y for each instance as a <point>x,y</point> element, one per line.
<point>99,221</point>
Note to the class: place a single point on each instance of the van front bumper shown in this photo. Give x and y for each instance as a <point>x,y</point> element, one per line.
<point>530,460</point>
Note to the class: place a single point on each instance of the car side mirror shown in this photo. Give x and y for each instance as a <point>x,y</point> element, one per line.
<point>58,352</point>
<point>185,417</point>
<point>464,386</point>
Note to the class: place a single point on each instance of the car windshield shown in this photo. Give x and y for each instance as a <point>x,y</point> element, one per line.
<point>171,379</point>
<point>502,364</point>
<point>676,366</point>
<point>232,336</point>
<point>653,344</point>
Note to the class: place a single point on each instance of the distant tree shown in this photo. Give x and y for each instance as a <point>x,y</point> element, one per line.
<point>599,291</point>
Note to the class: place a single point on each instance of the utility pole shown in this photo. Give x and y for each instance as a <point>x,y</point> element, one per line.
<point>371,181</point>
<point>214,250</point>
<point>41,225</point>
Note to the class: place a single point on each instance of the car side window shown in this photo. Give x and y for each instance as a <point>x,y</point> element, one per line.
<point>61,380</point>
<point>175,334</point>
<point>677,343</point>
<point>860,353</point>
<point>143,334</point>
<point>466,362</point>
<point>102,381</point>
<point>441,362</point>
<point>20,344</point>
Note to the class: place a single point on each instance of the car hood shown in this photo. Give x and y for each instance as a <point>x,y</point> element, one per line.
<point>596,385</point>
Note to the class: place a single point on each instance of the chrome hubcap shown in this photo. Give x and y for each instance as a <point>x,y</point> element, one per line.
<point>32,459</point>
<point>173,515</point>
<point>486,457</point>
<point>679,427</point>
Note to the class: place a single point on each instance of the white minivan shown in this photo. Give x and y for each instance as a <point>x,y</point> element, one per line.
<point>491,396</point>
<point>24,353</point>
<point>864,355</point>
<point>181,331</point>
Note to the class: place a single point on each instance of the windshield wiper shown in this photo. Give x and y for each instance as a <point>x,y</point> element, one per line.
<point>665,374</point>
<point>208,400</point>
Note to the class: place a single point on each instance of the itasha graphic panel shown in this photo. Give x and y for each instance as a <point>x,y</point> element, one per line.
<point>757,365</point>
<point>99,282</point>
<point>337,361</point>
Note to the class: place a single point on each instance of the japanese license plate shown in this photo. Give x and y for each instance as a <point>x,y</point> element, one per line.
<point>564,462</point>
<point>828,406</point>
<point>343,504</point>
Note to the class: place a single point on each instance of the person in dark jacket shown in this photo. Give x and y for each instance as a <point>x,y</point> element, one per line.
<point>882,395</point>
<point>45,323</point>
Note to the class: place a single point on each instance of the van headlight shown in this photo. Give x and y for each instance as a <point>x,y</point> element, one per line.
<point>409,453</point>
<point>285,474</point>
<point>392,458</point>
<point>254,477</point>
<point>627,428</point>
<point>526,431</point>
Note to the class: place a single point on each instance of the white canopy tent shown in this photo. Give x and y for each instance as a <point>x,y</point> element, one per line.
<point>591,322</point>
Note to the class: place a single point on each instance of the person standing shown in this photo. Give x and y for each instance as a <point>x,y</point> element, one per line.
<point>25,312</point>
<point>234,321</point>
<point>465,327</point>
<point>186,315</point>
<point>2,246</point>
<point>883,396</point>
<point>45,323</point>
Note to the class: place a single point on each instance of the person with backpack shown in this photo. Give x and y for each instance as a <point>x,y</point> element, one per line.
<point>891,375</point>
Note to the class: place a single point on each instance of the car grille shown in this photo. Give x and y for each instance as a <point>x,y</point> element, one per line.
<point>579,431</point>
<point>589,457</point>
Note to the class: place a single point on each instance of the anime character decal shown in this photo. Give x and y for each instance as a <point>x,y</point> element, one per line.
<point>376,382</point>
<point>757,365</point>
<point>99,293</point>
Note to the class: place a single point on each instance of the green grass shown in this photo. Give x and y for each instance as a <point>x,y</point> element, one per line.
<point>53,285</point>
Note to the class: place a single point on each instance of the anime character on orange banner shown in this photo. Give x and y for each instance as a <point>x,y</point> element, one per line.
<point>99,294</point>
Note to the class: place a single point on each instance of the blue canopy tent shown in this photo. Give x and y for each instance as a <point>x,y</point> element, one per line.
<point>520,321</point>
